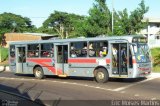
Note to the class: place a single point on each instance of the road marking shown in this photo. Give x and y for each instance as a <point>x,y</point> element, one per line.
<point>153,98</point>
<point>131,85</point>
<point>122,92</point>
<point>90,86</point>
<point>136,95</point>
<point>85,85</point>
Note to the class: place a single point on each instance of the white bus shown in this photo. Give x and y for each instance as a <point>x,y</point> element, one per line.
<point>100,57</point>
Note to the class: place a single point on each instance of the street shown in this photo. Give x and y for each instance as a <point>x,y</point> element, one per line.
<point>53,88</point>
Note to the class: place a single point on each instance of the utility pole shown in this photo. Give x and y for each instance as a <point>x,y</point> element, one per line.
<point>112,17</point>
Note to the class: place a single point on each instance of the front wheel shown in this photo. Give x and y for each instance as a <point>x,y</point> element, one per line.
<point>101,75</point>
<point>38,73</point>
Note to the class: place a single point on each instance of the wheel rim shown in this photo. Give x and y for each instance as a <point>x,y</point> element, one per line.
<point>38,73</point>
<point>100,75</point>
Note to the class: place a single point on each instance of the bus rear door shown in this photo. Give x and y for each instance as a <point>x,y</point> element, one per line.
<point>61,59</point>
<point>119,58</point>
<point>20,58</point>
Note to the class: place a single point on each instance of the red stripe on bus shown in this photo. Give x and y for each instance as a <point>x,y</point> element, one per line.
<point>108,61</point>
<point>82,60</point>
<point>40,62</point>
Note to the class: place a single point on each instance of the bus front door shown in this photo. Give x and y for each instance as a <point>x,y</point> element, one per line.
<point>61,59</point>
<point>119,59</point>
<point>20,59</point>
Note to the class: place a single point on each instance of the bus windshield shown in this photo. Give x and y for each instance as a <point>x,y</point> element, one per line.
<point>141,52</point>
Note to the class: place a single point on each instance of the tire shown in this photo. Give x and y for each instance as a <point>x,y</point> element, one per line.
<point>38,73</point>
<point>101,75</point>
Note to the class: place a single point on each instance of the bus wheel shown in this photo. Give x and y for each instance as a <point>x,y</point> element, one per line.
<point>101,75</point>
<point>38,73</point>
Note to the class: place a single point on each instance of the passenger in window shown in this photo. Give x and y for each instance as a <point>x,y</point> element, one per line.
<point>73,53</point>
<point>84,53</point>
<point>115,56</point>
<point>72,47</point>
<point>45,54</point>
<point>91,50</point>
<point>31,54</point>
<point>52,52</point>
<point>103,53</point>
<point>123,59</point>
<point>91,46</point>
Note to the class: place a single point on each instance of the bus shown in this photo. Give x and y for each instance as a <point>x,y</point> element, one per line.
<point>99,57</point>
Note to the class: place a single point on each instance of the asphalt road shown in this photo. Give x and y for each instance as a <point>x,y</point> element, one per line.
<point>84,91</point>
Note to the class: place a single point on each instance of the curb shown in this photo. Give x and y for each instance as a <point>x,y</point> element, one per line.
<point>155,74</point>
<point>2,68</point>
<point>7,69</point>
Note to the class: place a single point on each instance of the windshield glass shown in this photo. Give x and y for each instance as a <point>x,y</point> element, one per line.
<point>141,52</point>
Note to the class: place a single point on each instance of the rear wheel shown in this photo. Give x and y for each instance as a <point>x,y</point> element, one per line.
<point>101,75</point>
<point>38,73</point>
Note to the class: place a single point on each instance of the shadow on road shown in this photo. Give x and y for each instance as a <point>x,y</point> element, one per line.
<point>122,80</point>
<point>12,96</point>
<point>127,80</point>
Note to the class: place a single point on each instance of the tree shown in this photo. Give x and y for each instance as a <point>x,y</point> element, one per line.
<point>64,24</point>
<point>10,22</point>
<point>136,18</point>
<point>99,21</point>
<point>122,24</point>
<point>130,24</point>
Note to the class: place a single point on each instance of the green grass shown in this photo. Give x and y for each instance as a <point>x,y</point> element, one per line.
<point>156,59</point>
<point>3,54</point>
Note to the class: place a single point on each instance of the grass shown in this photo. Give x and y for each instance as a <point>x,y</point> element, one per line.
<point>156,59</point>
<point>3,54</point>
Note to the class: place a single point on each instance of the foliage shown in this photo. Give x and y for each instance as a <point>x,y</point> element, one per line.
<point>130,24</point>
<point>156,59</point>
<point>99,20</point>
<point>64,24</point>
<point>3,53</point>
<point>10,22</point>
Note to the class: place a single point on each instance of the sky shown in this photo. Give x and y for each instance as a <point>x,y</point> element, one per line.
<point>39,10</point>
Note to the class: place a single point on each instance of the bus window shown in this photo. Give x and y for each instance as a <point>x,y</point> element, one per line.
<point>130,59</point>
<point>21,55</point>
<point>141,51</point>
<point>33,50</point>
<point>12,51</point>
<point>98,49</point>
<point>47,50</point>
<point>78,49</point>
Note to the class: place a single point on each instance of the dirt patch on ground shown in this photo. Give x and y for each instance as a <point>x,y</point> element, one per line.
<point>6,62</point>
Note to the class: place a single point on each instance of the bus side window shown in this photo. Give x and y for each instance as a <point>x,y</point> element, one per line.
<point>12,51</point>
<point>98,48</point>
<point>47,50</point>
<point>33,50</point>
<point>78,49</point>
<point>130,59</point>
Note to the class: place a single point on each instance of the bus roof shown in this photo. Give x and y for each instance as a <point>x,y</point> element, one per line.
<point>126,37</point>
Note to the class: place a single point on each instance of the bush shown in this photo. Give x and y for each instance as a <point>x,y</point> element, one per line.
<point>3,53</point>
<point>156,59</point>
